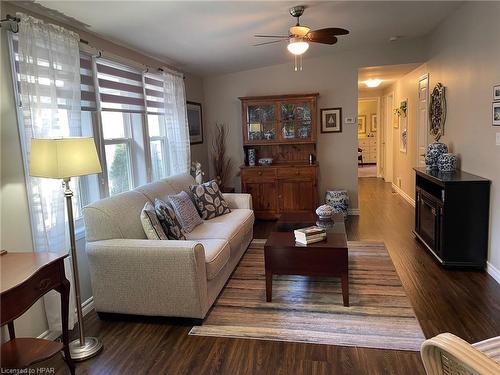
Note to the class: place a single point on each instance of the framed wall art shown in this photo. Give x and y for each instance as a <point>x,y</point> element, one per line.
<point>374,123</point>
<point>496,93</point>
<point>496,114</point>
<point>362,124</point>
<point>195,122</point>
<point>331,120</point>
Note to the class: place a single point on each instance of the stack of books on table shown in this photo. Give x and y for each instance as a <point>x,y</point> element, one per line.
<point>306,236</point>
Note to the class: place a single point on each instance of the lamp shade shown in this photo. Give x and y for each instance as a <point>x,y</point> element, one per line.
<point>63,157</point>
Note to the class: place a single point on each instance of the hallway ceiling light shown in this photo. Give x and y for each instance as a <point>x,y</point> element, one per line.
<point>373,82</point>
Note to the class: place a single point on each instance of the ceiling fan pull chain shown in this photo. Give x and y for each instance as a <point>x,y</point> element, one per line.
<point>295,63</point>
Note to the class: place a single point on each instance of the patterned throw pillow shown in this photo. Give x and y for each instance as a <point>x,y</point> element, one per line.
<point>185,211</point>
<point>151,224</point>
<point>209,200</point>
<point>168,220</point>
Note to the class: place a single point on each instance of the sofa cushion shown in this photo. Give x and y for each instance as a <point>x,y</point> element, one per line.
<point>151,224</point>
<point>168,220</point>
<point>115,217</point>
<point>209,200</point>
<point>185,210</point>
<point>217,253</point>
<point>228,227</point>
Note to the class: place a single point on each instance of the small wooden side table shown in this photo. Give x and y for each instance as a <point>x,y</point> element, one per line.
<point>25,277</point>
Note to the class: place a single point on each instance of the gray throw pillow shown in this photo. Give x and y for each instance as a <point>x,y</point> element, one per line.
<point>185,211</point>
<point>209,200</point>
<point>151,224</point>
<point>168,220</point>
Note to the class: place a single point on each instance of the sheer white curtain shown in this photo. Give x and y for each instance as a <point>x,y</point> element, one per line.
<point>48,69</point>
<point>178,153</point>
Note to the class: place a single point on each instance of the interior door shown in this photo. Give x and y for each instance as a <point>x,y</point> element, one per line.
<point>422,118</point>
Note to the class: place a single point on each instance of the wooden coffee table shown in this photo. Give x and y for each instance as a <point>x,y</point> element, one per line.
<point>328,258</point>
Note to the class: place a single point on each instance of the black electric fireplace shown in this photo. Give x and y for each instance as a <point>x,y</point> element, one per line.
<point>452,216</point>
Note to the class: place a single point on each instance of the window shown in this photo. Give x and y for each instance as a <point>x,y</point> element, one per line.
<point>155,106</point>
<point>127,113</point>
<point>122,126</point>
<point>116,131</point>
<point>158,146</point>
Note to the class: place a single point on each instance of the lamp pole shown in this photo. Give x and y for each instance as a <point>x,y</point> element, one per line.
<point>83,347</point>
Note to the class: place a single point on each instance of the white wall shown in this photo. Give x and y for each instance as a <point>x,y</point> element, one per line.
<point>406,88</point>
<point>464,55</point>
<point>335,78</point>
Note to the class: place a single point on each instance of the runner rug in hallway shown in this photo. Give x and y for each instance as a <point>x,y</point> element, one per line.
<point>310,310</point>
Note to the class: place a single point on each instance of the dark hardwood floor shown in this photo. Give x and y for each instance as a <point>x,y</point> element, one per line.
<point>464,303</point>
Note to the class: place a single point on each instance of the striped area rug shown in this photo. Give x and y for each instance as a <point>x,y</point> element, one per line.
<point>310,310</point>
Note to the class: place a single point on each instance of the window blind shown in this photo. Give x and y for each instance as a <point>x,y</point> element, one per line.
<point>87,83</point>
<point>120,87</point>
<point>155,98</point>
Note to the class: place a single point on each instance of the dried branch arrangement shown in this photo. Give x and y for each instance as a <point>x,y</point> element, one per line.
<point>221,163</point>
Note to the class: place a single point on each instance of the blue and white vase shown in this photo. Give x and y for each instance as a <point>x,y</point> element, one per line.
<point>447,162</point>
<point>251,157</point>
<point>324,212</point>
<point>434,151</point>
<point>338,200</point>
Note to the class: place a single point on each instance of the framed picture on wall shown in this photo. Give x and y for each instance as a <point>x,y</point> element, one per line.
<point>496,114</point>
<point>373,123</point>
<point>195,122</point>
<point>362,124</point>
<point>331,120</point>
<point>496,92</point>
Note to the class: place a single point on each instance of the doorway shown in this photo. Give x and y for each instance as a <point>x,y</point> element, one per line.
<point>422,118</point>
<point>368,137</point>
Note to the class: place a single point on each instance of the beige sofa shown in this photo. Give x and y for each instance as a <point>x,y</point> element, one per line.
<point>133,275</point>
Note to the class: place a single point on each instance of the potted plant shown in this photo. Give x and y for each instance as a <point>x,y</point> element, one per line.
<point>220,162</point>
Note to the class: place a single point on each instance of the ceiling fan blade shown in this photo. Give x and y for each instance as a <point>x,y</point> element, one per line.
<point>272,36</point>
<point>323,39</point>
<point>332,31</point>
<point>262,44</point>
<point>325,36</point>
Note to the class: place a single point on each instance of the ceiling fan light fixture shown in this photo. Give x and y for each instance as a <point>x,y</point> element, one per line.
<point>297,46</point>
<point>373,82</point>
<point>299,31</point>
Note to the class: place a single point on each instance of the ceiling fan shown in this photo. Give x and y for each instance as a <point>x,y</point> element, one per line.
<point>300,36</point>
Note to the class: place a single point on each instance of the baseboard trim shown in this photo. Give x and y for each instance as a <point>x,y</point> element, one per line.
<point>353,211</point>
<point>49,335</point>
<point>493,271</point>
<point>87,306</point>
<point>405,196</point>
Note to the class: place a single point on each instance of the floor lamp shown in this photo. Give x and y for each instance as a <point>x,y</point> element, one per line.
<point>64,158</point>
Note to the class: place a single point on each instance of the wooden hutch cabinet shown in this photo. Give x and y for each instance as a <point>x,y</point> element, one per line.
<point>283,128</point>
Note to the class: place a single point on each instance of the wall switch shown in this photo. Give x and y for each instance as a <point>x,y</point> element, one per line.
<point>498,139</point>
<point>350,120</point>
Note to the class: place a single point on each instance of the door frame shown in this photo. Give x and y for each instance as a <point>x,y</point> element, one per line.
<point>389,137</point>
<point>377,137</point>
<point>418,129</point>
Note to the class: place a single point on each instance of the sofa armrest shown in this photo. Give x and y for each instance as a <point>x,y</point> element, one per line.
<point>238,200</point>
<point>149,277</point>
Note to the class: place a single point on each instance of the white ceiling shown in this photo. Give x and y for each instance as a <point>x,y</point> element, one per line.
<point>388,74</point>
<point>217,37</point>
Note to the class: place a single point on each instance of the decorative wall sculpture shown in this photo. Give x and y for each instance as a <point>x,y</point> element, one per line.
<point>437,111</point>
